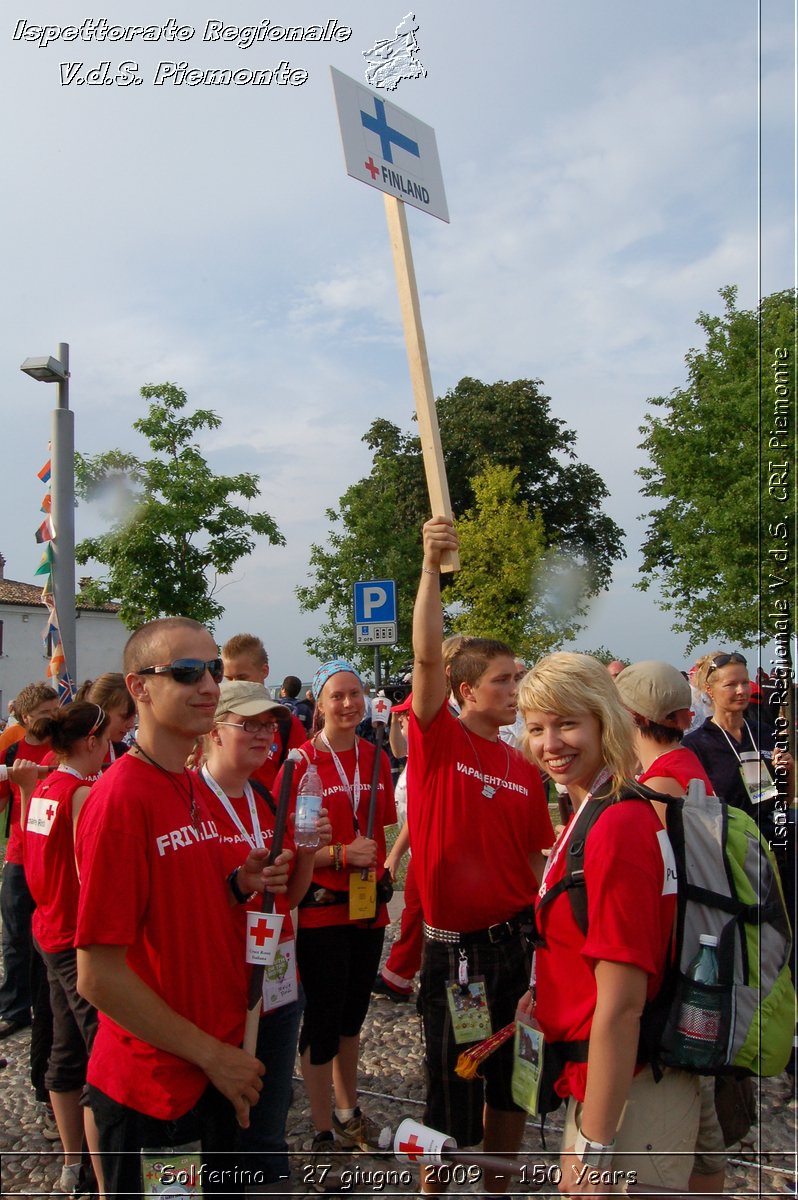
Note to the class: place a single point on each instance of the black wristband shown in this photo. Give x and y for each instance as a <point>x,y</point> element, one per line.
<point>238,895</point>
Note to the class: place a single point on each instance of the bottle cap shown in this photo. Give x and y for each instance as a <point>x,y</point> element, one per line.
<point>708,939</point>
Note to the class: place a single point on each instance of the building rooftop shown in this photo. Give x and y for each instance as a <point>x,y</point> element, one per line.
<point>29,595</point>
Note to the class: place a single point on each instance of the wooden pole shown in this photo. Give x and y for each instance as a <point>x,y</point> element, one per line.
<point>429,433</point>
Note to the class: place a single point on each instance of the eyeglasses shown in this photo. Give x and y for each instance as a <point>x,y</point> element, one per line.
<point>723,660</point>
<point>252,727</point>
<point>188,670</point>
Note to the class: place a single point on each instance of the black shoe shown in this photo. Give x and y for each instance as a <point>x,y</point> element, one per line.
<point>381,988</point>
<point>9,1027</point>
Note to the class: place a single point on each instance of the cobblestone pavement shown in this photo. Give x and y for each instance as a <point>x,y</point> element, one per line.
<point>391,1089</point>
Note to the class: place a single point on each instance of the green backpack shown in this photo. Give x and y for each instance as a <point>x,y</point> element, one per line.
<point>727,885</point>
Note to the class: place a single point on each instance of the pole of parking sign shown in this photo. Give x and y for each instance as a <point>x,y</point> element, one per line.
<point>377,675</point>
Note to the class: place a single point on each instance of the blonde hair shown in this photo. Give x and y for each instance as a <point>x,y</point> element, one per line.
<point>567,684</point>
<point>703,668</point>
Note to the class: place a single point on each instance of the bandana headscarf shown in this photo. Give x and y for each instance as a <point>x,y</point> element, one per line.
<point>331,668</point>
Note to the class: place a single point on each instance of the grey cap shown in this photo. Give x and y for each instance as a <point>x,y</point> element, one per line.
<point>247,699</point>
<point>654,690</point>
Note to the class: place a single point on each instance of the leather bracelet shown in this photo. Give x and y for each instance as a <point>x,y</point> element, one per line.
<point>238,895</point>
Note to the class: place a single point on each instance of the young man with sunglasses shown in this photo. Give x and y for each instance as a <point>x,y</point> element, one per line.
<point>157,942</point>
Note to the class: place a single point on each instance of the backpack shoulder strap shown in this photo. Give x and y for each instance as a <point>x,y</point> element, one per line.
<point>261,790</point>
<point>284,728</point>
<point>573,880</point>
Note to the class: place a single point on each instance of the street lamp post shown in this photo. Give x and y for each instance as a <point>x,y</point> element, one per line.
<point>62,491</point>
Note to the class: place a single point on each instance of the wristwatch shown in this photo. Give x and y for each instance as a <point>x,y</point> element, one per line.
<point>593,1154</point>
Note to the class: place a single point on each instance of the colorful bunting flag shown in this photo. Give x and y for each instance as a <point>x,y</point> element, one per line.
<point>46,564</point>
<point>44,533</point>
<point>47,503</point>
<point>44,474</point>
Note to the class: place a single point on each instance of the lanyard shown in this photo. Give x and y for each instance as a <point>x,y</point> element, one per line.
<point>732,745</point>
<point>224,800</point>
<point>70,771</point>
<point>600,779</point>
<point>352,789</point>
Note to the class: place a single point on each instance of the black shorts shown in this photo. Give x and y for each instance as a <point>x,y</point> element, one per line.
<point>74,1023</point>
<point>338,965</point>
<point>454,1105</point>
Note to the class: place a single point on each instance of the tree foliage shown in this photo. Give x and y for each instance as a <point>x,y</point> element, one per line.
<point>175,526</point>
<point>376,531</point>
<point>502,588</point>
<point>709,457</point>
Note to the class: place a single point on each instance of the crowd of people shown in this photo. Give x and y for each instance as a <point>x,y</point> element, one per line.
<point>137,864</point>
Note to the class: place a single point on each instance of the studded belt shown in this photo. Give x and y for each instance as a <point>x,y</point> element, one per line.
<point>494,934</point>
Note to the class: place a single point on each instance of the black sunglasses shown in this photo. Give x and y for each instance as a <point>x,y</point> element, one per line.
<point>723,660</point>
<point>188,670</point>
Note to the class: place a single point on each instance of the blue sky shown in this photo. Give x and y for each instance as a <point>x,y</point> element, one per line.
<point>600,161</point>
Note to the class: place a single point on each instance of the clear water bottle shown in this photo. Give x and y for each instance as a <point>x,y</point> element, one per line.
<point>308,803</point>
<point>699,1024</point>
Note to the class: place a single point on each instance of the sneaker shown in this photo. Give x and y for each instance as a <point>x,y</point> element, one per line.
<point>383,989</point>
<point>47,1123</point>
<point>326,1163</point>
<point>358,1132</point>
<point>73,1182</point>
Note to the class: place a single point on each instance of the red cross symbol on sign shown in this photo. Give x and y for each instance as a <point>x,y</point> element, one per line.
<point>412,1148</point>
<point>262,933</point>
<point>50,813</point>
<point>372,167</point>
<point>379,705</point>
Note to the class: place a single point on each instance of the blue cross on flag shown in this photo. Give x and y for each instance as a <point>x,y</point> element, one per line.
<point>387,148</point>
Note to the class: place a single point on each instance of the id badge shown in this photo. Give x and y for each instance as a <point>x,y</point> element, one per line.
<point>173,1172</point>
<point>468,1006</point>
<point>756,777</point>
<point>363,896</point>
<point>279,980</point>
<point>263,937</point>
<point>528,1054</point>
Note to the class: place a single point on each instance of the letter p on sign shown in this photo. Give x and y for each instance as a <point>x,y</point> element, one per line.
<point>373,598</point>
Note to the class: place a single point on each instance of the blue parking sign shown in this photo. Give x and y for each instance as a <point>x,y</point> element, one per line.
<point>375,612</point>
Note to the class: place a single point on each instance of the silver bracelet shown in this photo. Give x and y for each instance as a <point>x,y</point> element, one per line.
<point>428,572</point>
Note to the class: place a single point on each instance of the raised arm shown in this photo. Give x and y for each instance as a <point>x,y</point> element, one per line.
<point>429,675</point>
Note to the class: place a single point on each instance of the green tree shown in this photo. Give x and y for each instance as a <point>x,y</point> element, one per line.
<point>708,455</point>
<point>502,589</point>
<point>175,527</point>
<point>376,531</point>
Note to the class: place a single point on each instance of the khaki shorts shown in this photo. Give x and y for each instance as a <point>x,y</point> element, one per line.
<point>710,1148</point>
<point>655,1144</point>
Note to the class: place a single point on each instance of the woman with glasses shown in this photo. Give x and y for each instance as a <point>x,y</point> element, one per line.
<point>244,812</point>
<point>339,950</point>
<point>78,735</point>
<point>738,755</point>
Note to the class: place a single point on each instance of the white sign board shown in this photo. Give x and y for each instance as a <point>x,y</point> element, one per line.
<point>387,148</point>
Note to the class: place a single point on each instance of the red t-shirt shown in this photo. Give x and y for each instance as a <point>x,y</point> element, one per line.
<point>268,772</point>
<point>24,750</point>
<point>50,861</point>
<point>680,764</point>
<point>472,851</point>
<point>631,901</point>
<point>152,882</point>
<point>235,849</point>
<point>336,799</point>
